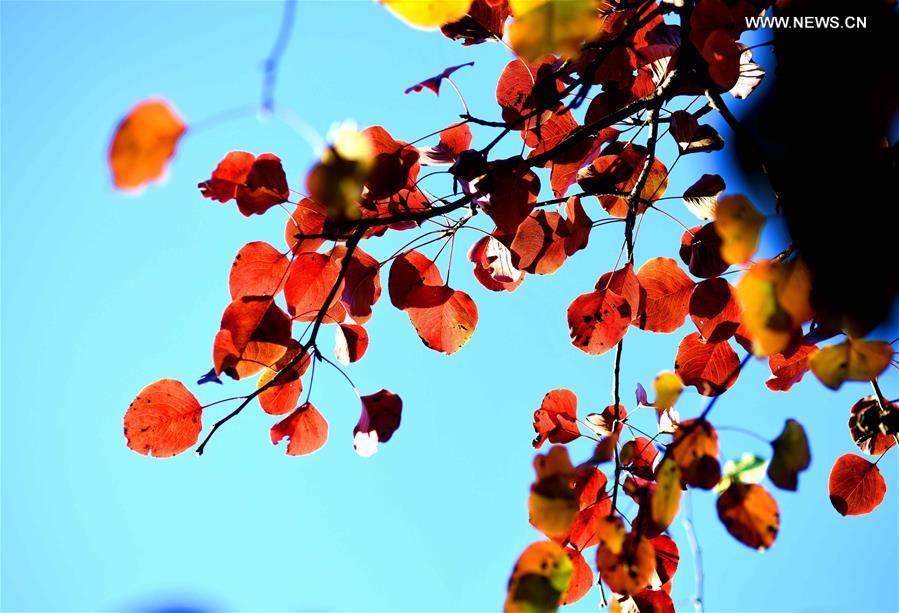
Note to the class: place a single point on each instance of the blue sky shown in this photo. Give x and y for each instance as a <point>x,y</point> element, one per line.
<point>104,293</point>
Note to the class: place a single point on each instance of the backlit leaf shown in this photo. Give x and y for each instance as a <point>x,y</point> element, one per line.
<point>143,144</point>
<point>581,577</point>
<point>715,310</point>
<point>350,343</point>
<point>598,320</point>
<point>695,451</point>
<point>668,387</point>
<point>306,428</point>
<point>256,183</point>
<point>750,514</point>
<point>856,485</point>
<point>788,367</point>
<point>255,333</point>
<point>791,456</point>
<point>381,414</point>
<point>712,368</point>
<point>739,224</point>
<point>665,499</point>
<point>553,502</point>
<point>544,27</point>
<point>163,420</point>
<point>851,360</point>
<point>864,422</point>
<point>701,198</point>
<point>428,14</point>
<point>556,419</point>
<point>667,295</point>
<point>539,579</point>
<point>700,250</point>
<point>631,569</point>
<point>258,270</point>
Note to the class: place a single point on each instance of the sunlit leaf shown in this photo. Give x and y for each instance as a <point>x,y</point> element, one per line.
<point>665,499</point>
<point>306,429</point>
<point>553,502</point>
<point>380,418</point>
<point>258,270</point>
<point>864,425</point>
<point>851,360</point>
<point>701,198</point>
<point>695,450</point>
<point>428,14</point>
<point>856,485</point>
<point>750,514</point>
<point>143,144</point>
<point>556,419</point>
<point>540,578</point>
<point>163,420</point>
<point>712,368</point>
<point>629,570</point>
<point>739,224</point>
<point>667,295</point>
<point>544,27</point>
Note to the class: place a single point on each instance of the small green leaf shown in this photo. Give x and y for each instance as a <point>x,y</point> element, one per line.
<point>750,469</point>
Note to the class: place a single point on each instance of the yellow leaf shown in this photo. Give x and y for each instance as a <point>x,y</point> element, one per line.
<point>428,14</point>
<point>558,27</point>
<point>668,386</point>
<point>851,360</point>
<point>553,502</point>
<point>774,297</point>
<point>666,496</point>
<point>739,225</point>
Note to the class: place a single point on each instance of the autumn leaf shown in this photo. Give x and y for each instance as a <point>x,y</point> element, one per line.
<point>638,456</point>
<point>484,21</point>
<point>700,250</point>
<point>444,318</point>
<point>255,333</point>
<point>556,419</point>
<point>433,83</point>
<point>581,577</point>
<point>851,360</point>
<point>281,395</point>
<point>630,570</point>
<point>692,137</point>
<point>381,414</point>
<point>143,144</point>
<point>544,27</point>
<point>667,295</point>
<point>553,502</point>
<point>539,579</point>
<point>774,297</point>
<point>712,368</point>
<point>715,310</point>
<point>864,425</point>
<point>856,485</point>
<point>750,514</point>
<point>701,198</point>
<point>258,270</point>
<point>336,181</point>
<point>163,420</point>
<point>739,225</point>
<point>695,451</point>
<point>428,14</point>
<point>665,499</point>
<point>791,456</point>
<point>598,320</point>
<point>306,429</point>
<point>789,366</point>
<point>256,183</point>
<point>668,387</point>
<point>493,266</point>
<point>310,278</point>
<point>350,343</point>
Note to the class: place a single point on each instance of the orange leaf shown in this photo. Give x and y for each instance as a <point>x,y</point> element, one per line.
<point>350,343</point>
<point>630,570</point>
<point>695,451</point>
<point>163,420</point>
<point>254,333</point>
<point>581,577</point>
<point>307,429</point>
<point>143,144</point>
<point>598,320</point>
<point>539,579</point>
<point>750,514</point>
<point>256,183</point>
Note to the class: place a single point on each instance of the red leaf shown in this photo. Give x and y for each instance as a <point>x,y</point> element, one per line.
<point>700,250</point>
<point>578,226</point>
<point>493,266</point>
<point>143,144</point>
<point>856,485</point>
<point>625,283</point>
<point>750,514</point>
<point>567,163</point>
<point>715,310</point>
<point>601,423</point>
<point>256,183</point>
<point>433,83</point>
<point>512,189</point>
<point>556,419</point>
<point>381,413</point>
<point>617,170</point>
<point>667,295</point>
<point>351,343</point>
<point>654,601</point>
<point>538,244</point>
<point>523,88</point>
<point>788,367</point>
<point>308,219</point>
<point>395,165</point>
<point>638,456</point>
<point>868,437</point>
<point>444,318</point>
<point>163,420</point>
<point>254,333</point>
<point>307,429</point>
<point>484,21</point>
<point>361,283</point>
<point>258,270</point>
<point>309,281</point>
<point>598,320</point>
<point>712,368</point>
<point>453,141</point>
<point>581,578</point>
<point>667,557</point>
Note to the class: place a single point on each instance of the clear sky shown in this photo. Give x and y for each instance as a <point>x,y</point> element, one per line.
<point>104,293</point>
